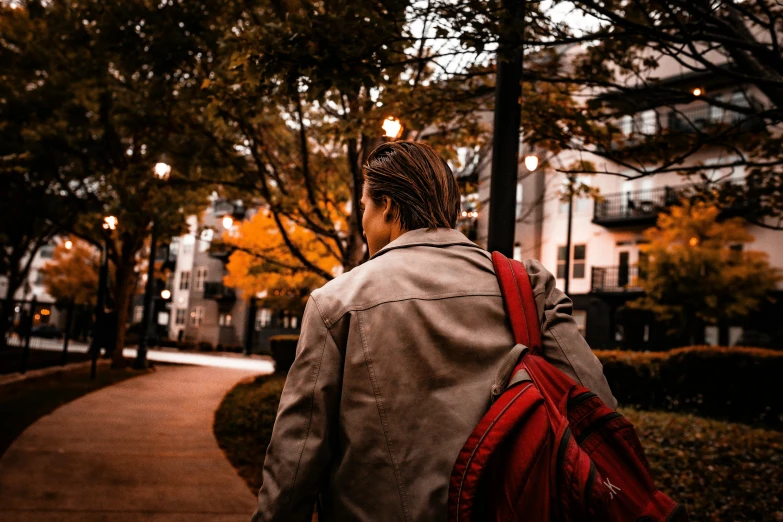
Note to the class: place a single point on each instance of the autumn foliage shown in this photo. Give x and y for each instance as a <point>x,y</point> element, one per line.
<point>695,270</point>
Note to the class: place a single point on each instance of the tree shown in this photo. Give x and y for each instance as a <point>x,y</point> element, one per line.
<point>72,274</point>
<point>297,96</point>
<point>694,271</point>
<point>109,120</point>
<point>263,262</point>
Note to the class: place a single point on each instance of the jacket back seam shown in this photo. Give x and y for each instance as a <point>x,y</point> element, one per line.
<point>384,422</point>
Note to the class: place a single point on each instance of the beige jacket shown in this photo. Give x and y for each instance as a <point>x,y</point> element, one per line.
<point>393,370</point>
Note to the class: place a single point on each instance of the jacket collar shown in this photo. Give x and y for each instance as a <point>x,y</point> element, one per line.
<point>440,237</point>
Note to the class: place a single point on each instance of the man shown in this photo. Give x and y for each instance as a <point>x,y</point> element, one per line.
<point>397,358</point>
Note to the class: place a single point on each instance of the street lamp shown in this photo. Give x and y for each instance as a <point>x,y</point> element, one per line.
<point>531,162</point>
<point>392,127</point>
<point>110,223</point>
<point>68,244</point>
<point>166,294</point>
<point>161,171</point>
<point>228,222</point>
<point>100,328</point>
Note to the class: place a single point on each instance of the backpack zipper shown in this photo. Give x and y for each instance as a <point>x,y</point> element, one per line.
<point>594,426</point>
<point>579,399</point>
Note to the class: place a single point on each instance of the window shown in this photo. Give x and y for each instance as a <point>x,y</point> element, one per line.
<point>286,321</point>
<point>580,318</point>
<point>263,318</point>
<point>648,123</point>
<point>224,319</point>
<point>38,278</point>
<point>561,260</point>
<point>517,252</point>
<point>583,204</point>
<point>294,322</point>
<point>626,124</point>
<point>180,318</point>
<point>580,255</point>
<point>46,252</point>
<point>138,314</point>
<point>197,316</point>
<point>184,280</point>
<point>201,276</point>
<point>207,235</point>
<point>519,200</point>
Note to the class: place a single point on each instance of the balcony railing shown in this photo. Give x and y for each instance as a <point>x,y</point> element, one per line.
<point>635,207</point>
<point>700,119</point>
<point>219,292</point>
<point>615,279</point>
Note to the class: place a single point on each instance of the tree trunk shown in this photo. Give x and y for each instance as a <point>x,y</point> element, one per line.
<point>123,292</point>
<point>14,281</point>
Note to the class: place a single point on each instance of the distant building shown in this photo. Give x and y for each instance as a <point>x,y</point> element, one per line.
<point>606,236</point>
<point>204,310</point>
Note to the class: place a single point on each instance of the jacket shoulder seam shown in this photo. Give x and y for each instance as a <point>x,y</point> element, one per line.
<point>412,297</point>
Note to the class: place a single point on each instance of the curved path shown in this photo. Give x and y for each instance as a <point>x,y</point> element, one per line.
<point>142,449</point>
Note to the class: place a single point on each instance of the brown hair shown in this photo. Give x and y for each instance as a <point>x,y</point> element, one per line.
<point>418,181</point>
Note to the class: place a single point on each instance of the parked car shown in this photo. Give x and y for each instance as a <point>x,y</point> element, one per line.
<point>48,331</point>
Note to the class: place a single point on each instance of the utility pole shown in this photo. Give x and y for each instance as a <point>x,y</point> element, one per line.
<point>571,181</point>
<point>505,141</point>
<point>146,321</point>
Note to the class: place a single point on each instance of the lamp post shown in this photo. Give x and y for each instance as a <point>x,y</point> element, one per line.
<point>161,171</point>
<point>100,327</point>
<point>505,141</point>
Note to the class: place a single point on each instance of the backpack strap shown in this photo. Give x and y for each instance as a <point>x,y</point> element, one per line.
<point>519,301</point>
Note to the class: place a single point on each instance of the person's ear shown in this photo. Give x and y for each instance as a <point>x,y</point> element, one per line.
<point>388,209</point>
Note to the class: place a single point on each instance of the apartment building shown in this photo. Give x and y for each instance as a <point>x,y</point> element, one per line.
<point>201,308</point>
<point>606,235</point>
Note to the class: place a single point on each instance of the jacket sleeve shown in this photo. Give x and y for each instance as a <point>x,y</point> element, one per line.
<point>299,453</point>
<point>562,343</point>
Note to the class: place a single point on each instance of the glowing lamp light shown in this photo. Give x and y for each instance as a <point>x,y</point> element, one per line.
<point>694,241</point>
<point>162,170</point>
<point>697,92</point>
<point>531,162</point>
<point>45,312</point>
<point>228,222</point>
<point>110,223</point>
<point>392,127</point>
<point>165,294</point>
<point>68,244</point>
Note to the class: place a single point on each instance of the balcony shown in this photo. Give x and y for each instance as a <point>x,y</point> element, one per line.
<point>219,292</point>
<point>614,279</point>
<point>634,208</point>
<point>706,118</point>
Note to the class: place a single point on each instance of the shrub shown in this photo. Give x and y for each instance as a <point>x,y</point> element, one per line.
<point>283,349</point>
<point>204,346</point>
<point>733,383</point>
<point>187,346</point>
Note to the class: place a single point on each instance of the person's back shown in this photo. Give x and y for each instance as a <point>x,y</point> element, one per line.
<point>394,369</point>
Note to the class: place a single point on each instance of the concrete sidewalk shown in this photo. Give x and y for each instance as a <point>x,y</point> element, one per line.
<point>142,449</point>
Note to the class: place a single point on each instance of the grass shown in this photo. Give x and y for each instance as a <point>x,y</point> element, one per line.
<point>24,402</point>
<point>722,471</point>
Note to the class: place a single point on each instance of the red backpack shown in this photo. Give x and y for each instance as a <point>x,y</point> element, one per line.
<point>548,449</point>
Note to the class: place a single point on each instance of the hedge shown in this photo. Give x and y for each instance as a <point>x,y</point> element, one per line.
<point>733,383</point>
<point>283,349</point>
